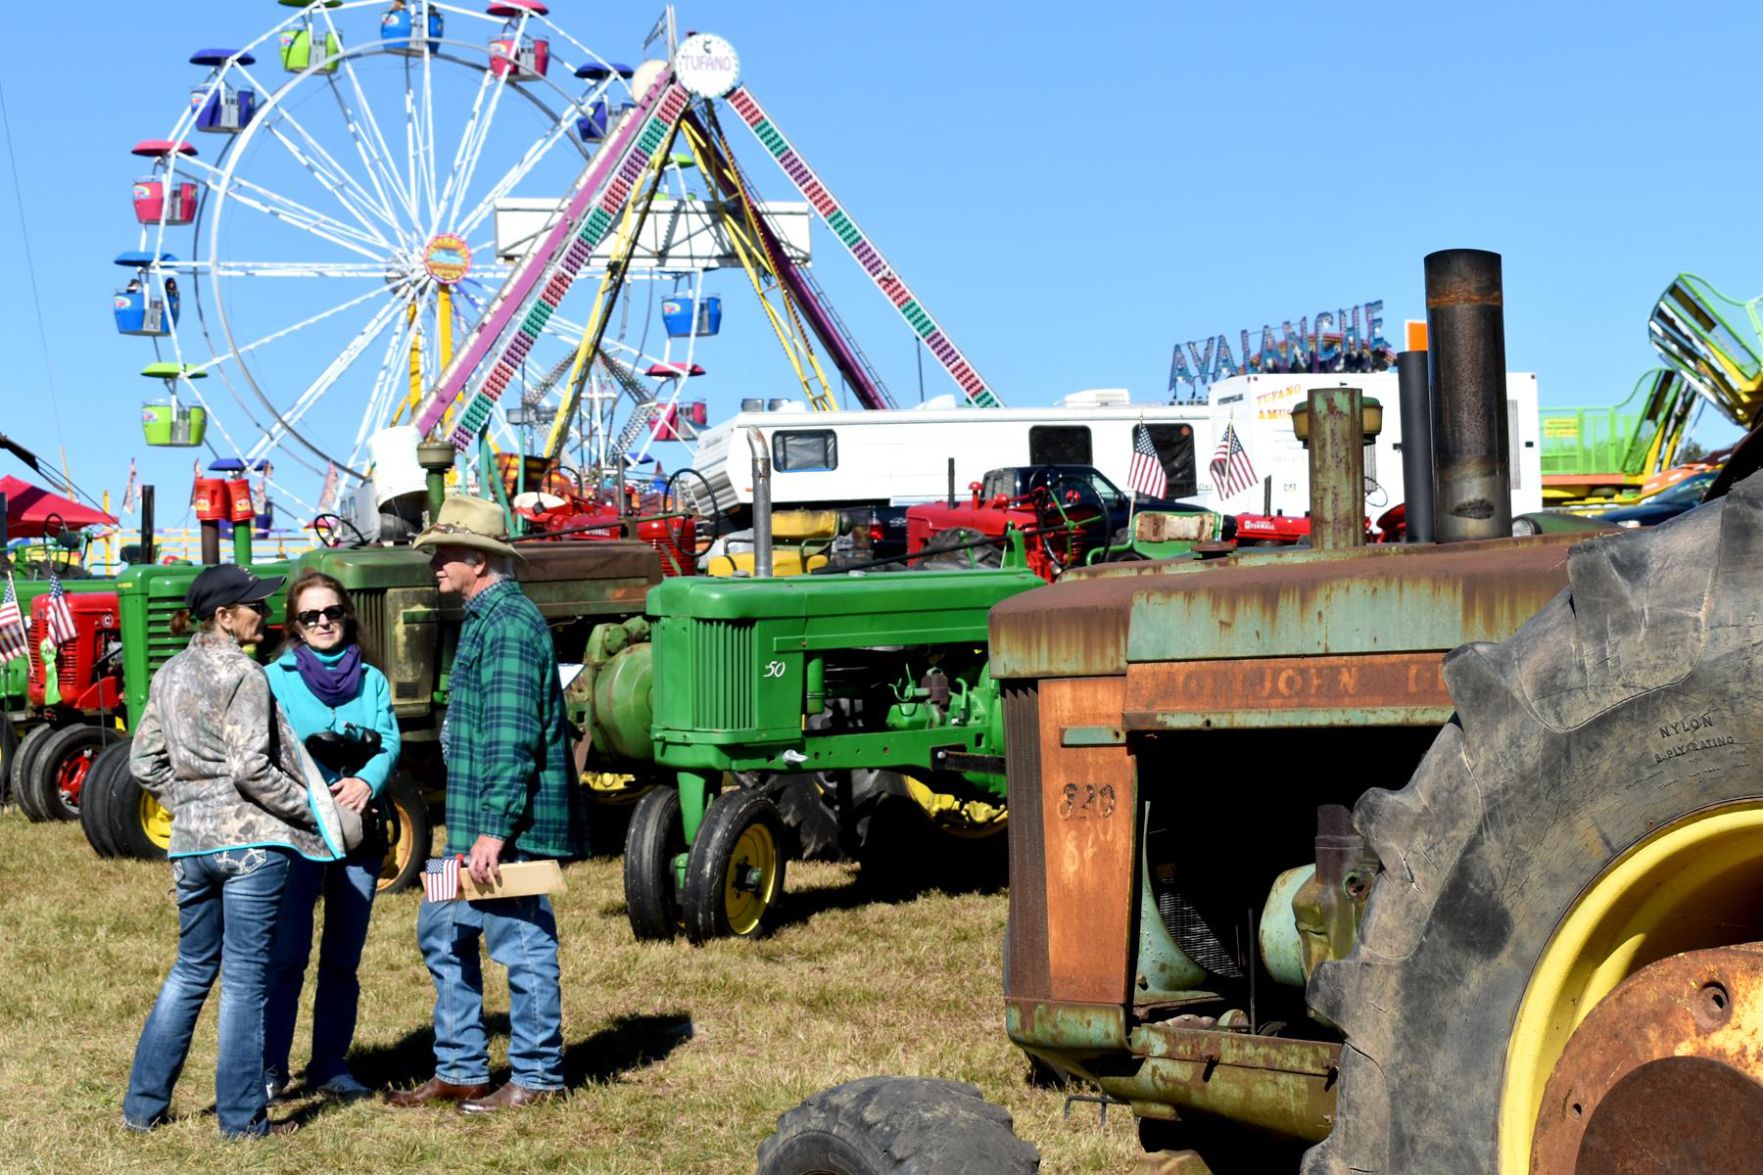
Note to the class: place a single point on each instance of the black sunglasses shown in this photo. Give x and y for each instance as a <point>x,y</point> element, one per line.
<point>260,607</point>
<point>335,614</point>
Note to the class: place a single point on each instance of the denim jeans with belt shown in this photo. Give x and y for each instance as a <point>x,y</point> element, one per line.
<point>347,887</point>
<point>227,906</point>
<point>521,934</point>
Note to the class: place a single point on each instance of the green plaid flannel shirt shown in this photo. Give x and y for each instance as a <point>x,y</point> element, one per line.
<point>507,738</point>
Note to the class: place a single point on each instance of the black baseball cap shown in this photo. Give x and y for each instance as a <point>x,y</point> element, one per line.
<point>227,583</point>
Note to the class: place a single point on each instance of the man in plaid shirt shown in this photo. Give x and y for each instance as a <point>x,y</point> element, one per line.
<point>511,795</point>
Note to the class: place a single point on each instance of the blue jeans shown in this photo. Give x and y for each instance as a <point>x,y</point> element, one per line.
<point>347,887</point>
<point>227,906</point>
<point>521,935</point>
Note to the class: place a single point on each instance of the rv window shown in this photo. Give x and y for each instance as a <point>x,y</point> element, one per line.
<point>1059,445</point>
<point>1175,449</point>
<point>793,451</point>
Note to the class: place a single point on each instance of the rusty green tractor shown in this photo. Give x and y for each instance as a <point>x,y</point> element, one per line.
<point>1439,857</point>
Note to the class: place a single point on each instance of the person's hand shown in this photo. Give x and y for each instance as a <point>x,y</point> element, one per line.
<point>483,864</point>
<point>352,793</point>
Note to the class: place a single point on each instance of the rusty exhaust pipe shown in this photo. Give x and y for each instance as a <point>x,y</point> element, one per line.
<point>1417,467</point>
<point>1466,362</point>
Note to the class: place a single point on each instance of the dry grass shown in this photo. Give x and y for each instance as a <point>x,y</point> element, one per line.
<point>679,1059</point>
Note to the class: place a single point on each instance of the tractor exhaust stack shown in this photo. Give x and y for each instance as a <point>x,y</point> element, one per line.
<point>1417,467</point>
<point>1466,349</point>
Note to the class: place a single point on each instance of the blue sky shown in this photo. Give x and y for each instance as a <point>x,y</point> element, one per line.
<point>1071,190</point>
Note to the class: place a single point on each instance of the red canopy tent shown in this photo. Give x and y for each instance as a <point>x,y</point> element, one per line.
<point>29,510</point>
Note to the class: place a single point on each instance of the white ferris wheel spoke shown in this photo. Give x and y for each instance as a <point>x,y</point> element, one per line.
<point>288,210</point>
<point>288,330</point>
<point>377,161</point>
<point>393,365</point>
<point>332,167</point>
<point>327,378</point>
<point>475,136</point>
<point>428,138</point>
<point>344,269</point>
<point>535,154</point>
<point>336,179</point>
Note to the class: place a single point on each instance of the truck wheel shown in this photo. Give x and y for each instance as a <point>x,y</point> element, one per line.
<point>409,835</point>
<point>18,771</point>
<point>140,826</point>
<point>1593,808</point>
<point>62,764</point>
<point>98,797</point>
<point>897,1126</point>
<point>735,875</point>
<point>657,837</point>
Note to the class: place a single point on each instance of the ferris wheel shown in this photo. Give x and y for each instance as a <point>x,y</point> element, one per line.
<point>319,225</point>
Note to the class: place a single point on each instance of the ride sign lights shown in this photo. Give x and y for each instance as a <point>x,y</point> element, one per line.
<point>1337,340</point>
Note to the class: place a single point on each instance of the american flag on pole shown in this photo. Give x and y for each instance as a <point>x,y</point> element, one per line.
<point>57,613</point>
<point>1146,475</point>
<point>14,637</point>
<point>1232,472</point>
<point>440,881</point>
<point>131,492</point>
<point>327,493</point>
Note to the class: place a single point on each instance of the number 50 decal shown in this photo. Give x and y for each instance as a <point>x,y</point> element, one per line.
<point>774,669</point>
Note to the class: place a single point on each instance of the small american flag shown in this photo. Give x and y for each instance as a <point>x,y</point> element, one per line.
<point>57,613</point>
<point>14,639</point>
<point>1146,475</point>
<point>440,881</point>
<point>1232,473</point>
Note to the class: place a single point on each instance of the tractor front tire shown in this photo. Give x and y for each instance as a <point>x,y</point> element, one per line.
<point>97,797</point>
<point>655,840</point>
<point>410,834</point>
<point>8,748</point>
<point>735,874</point>
<point>18,772</point>
<point>1594,806</point>
<point>61,766</point>
<point>139,826</point>
<point>897,1126</point>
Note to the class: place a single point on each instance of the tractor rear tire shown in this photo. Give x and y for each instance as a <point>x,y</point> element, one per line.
<point>656,838</point>
<point>8,748</point>
<point>136,820</point>
<point>61,766</point>
<point>735,874</point>
<point>1627,707</point>
<point>98,796</point>
<point>897,1126</point>
<point>410,835</point>
<point>18,771</point>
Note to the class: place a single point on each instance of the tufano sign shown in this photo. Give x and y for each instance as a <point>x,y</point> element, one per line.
<point>1331,340</point>
<point>707,66</point>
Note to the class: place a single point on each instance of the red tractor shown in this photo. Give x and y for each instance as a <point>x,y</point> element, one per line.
<point>74,692</point>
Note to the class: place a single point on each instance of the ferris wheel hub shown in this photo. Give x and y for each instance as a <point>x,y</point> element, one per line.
<point>447,258</point>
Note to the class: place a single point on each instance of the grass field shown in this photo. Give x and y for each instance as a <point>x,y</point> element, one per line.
<point>679,1059</point>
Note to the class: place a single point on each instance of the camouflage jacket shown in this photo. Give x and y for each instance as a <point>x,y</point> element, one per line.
<point>217,751</point>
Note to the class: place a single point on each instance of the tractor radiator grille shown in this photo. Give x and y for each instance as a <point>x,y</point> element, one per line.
<point>722,673</point>
<point>161,645</point>
<point>1194,937</point>
<point>370,621</point>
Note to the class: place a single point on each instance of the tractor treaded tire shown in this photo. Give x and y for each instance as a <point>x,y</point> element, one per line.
<point>126,831</point>
<point>897,1126</point>
<point>410,817</point>
<point>656,836</point>
<point>97,797</point>
<point>81,738</point>
<point>8,748</point>
<point>1627,702</point>
<point>18,772</point>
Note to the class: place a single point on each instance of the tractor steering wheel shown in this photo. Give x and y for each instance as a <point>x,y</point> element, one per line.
<point>329,527</point>
<point>670,502</point>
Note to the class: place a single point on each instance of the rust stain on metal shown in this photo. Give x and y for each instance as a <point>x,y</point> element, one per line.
<point>1088,815</point>
<point>1464,294</point>
<point>1666,1073</point>
<point>1284,683</point>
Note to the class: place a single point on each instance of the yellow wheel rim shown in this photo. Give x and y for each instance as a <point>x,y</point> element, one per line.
<point>155,821</point>
<point>1689,885</point>
<point>612,789</point>
<point>402,837</point>
<point>965,818</point>
<point>750,884</point>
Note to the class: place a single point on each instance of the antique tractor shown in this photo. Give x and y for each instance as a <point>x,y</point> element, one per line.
<point>1526,942</point>
<point>72,694</point>
<point>412,629</point>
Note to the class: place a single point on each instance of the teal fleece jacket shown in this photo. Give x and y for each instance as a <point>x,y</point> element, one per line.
<point>371,709</point>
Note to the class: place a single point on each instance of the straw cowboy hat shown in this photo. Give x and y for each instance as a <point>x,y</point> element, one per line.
<point>467,522</point>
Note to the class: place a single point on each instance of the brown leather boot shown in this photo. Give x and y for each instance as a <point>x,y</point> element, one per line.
<point>435,1090</point>
<point>509,1097</point>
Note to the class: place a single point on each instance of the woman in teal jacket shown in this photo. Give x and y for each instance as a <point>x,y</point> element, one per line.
<point>323,682</point>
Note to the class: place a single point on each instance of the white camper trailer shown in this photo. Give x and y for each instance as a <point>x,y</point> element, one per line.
<point>1259,409</point>
<point>901,456</point>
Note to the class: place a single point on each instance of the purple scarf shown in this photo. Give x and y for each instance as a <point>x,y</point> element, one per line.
<point>333,683</point>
